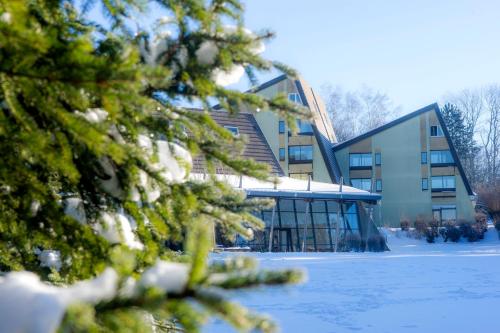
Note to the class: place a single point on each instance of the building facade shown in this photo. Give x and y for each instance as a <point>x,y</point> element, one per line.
<point>412,163</point>
<point>308,152</point>
<point>307,215</point>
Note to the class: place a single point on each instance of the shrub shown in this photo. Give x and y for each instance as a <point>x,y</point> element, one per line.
<point>472,232</point>
<point>452,233</point>
<point>353,242</point>
<point>489,195</point>
<point>430,236</point>
<point>376,243</point>
<point>405,225</point>
<point>420,227</point>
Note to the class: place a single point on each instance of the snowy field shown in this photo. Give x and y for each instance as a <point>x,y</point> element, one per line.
<point>416,287</point>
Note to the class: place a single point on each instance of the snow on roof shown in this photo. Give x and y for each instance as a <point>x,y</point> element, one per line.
<point>293,188</point>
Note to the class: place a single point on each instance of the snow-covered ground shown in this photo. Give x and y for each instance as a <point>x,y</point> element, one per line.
<point>416,287</point>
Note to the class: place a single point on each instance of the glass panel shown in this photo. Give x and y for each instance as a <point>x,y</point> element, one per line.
<point>362,183</point>
<point>437,215</point>
<point>425,184</point>
<point>354,160</point>
<point>282,154</point>
<point>294,153</point>
<point>300,205</point>
<point>281,126</point>
<point>287,219</point>
<point>304,126</point>
<point>378,185</point>
<point>437,182</point>
<point>351,215</point>
<point>441,156</point>
<point>323,239</point>
<point>378,158</point>
<point>367,159</point>
<point>300,153</point>
<point>424,158</point>
<point>320,220</point>
<point>296,239</point>
<point>357,160</point>
<point>286,205</point>
<point>449,181</point>
<point>448,214</point>
<point>318,206</point>
<point>310,240</point>
<point>233,129</point>
<point>294,97</point>
<point>301,219</point>
<point>333,206</point>
<point>267,219</point>
<point>443,182</point>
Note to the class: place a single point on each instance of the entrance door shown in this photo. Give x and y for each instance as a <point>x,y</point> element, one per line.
<point>282,240</point>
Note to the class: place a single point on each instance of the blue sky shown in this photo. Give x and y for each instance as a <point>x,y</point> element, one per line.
<point>415,51</point>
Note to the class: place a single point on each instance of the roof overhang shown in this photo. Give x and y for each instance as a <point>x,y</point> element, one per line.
<point>291,188</point>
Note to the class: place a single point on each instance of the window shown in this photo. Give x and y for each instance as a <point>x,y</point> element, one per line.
<point>448,214</point>
<point>281,126</point>
<point>441,157</point>
<point>303,176</point>
<point>300,154</point>
<point>282,154</point>
<point>445,213</point>
<point>443,183</point>
<point>425,184</point>
<point>294,97</point>
<point>233,129</point>
<point>304,127</point>
<point>378,185</point>
<point>378,158</point>
<point>436,131</point>
<point>360,161</point>
<point>362,183</point>
<point>423,157</point>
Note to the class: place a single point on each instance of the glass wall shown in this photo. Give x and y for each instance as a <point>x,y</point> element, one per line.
<point>317,225</point>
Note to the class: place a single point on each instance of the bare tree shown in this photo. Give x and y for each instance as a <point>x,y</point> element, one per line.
<point>356,112</point>
<point>490,137</point>
<point>471,104</point>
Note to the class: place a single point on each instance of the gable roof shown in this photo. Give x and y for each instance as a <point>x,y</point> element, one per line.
<point>322,127</point>
<point>395,122</point>
<point>258,149</point>
<point>390,124</point>
<point>324,138</point>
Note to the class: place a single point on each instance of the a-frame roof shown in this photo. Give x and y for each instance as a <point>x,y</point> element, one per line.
<point>256,149</point>
<point>431,107</point>
<point>323,129</point>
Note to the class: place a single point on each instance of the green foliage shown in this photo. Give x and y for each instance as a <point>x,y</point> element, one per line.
<point>59,71</point>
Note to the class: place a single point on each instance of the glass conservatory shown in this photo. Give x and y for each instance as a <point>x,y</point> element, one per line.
<point>311,216</point>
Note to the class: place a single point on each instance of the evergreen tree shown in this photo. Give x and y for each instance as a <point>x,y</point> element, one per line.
<point>462,137</point>
<point>96,151</point>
